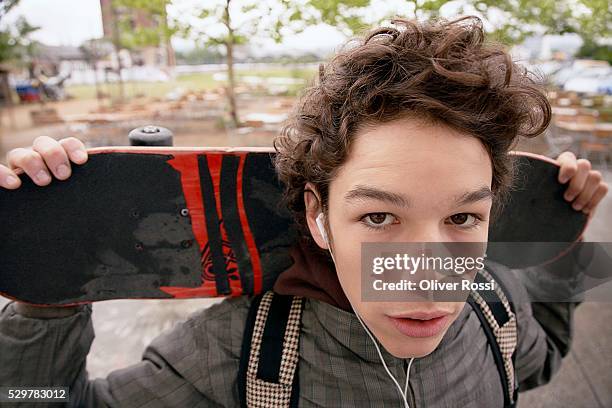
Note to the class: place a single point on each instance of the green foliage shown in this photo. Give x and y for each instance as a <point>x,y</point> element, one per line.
<point>588,18</point>
<point>237,22</point>
<point>15,44</point>
<point>340,14</point>
<point>199,55</point>
<point>201,81</point>
<point>132,37</point>
<point>592,50</point>
<point>511,20</point>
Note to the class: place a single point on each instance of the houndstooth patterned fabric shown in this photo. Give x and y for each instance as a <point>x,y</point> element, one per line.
<point>506,335</point>
<point>264,394</point>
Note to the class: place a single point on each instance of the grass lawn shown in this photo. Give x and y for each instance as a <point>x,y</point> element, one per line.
<point>188,82</point>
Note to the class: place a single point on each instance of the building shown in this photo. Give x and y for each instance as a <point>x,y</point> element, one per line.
<point>162,55</point>
<point>53,60</point>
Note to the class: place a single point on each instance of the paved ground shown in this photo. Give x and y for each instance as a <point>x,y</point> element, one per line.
<point>124,328</point>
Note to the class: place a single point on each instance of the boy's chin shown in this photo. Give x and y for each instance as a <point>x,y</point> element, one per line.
<point>402,347</point>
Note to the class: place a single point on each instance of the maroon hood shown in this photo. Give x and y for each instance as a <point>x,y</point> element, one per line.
<point>311,276</point>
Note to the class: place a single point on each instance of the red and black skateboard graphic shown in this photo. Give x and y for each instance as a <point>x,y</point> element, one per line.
<point>164,222</point>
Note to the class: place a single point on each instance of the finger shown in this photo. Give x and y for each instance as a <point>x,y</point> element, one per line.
<point>576,184</point>
<point>32,164</point>
<point>599,194</point>
<point>54,155</point>
<point>8,178</point>
<point>75,149</point>
<point>591,184</point>
<point>567,166</point>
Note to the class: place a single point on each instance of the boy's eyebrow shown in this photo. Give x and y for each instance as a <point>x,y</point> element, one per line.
<point>399,200</point>
<point>360,192</point>
<point>483,193</point>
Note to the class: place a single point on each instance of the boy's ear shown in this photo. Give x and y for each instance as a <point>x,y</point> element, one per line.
<point>313,209</point>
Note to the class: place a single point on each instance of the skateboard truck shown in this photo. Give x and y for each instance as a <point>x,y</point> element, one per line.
<point>151,135</point>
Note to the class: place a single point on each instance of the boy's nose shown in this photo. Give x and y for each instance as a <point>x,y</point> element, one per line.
<point>424,233</point>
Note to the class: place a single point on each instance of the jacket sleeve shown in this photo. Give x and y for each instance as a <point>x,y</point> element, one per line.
<point>544,338</point>
<point>173,370</point>
<point>545,325</point>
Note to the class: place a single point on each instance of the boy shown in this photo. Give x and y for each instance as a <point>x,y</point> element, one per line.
<point>404,138</point>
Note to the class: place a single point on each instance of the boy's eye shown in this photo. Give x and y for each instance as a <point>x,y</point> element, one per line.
<point>464,219</point>
<point>378,220</point>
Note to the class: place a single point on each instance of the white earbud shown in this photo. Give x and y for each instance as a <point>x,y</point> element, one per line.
<point>319,222</point>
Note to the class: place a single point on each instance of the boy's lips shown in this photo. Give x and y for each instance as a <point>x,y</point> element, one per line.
<point>420,315</point>
<point>421,324</point>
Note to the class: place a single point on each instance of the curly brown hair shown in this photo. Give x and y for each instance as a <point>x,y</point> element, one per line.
<point>441,70</point>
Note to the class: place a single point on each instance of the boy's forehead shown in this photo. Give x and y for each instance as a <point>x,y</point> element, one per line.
<point>400,157</point>
<point>412,140</point>
<point>434,186</point>
<point>426,151</point>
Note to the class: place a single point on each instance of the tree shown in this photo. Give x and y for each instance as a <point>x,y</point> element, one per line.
<point>348,16</point>
<point>518,19</point>
<point>509,21</point>
<point>590,49</point>
<point>15,44</point>
<point>226,24</point>
<point>94,50</point>
<point>127,35</point>
<point>160,33</point>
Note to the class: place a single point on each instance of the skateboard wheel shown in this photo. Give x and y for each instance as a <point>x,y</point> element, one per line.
<point>185,212</point>
<point>150,135</point>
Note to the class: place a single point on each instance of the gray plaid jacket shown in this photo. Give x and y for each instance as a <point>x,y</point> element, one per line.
<point>196,363</point>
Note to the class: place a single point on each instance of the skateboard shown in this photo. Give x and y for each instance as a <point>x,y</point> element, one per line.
<point>536,225</point>
<point>166,222</point>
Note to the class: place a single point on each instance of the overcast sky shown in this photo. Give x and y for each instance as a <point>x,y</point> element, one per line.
<point>70,22</point>
<point>62,22</point>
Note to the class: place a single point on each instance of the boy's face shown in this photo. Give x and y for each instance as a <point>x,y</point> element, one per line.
<point>432,167</point>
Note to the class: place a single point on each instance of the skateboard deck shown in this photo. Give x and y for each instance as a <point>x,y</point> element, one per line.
<point>157,222</point>
<point>536,225</point>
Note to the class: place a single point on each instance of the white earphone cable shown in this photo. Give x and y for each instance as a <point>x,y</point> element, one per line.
<point>408,376</point>
<point>403,393</point>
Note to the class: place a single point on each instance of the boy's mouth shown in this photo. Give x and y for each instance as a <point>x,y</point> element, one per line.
<point>421,324</point>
